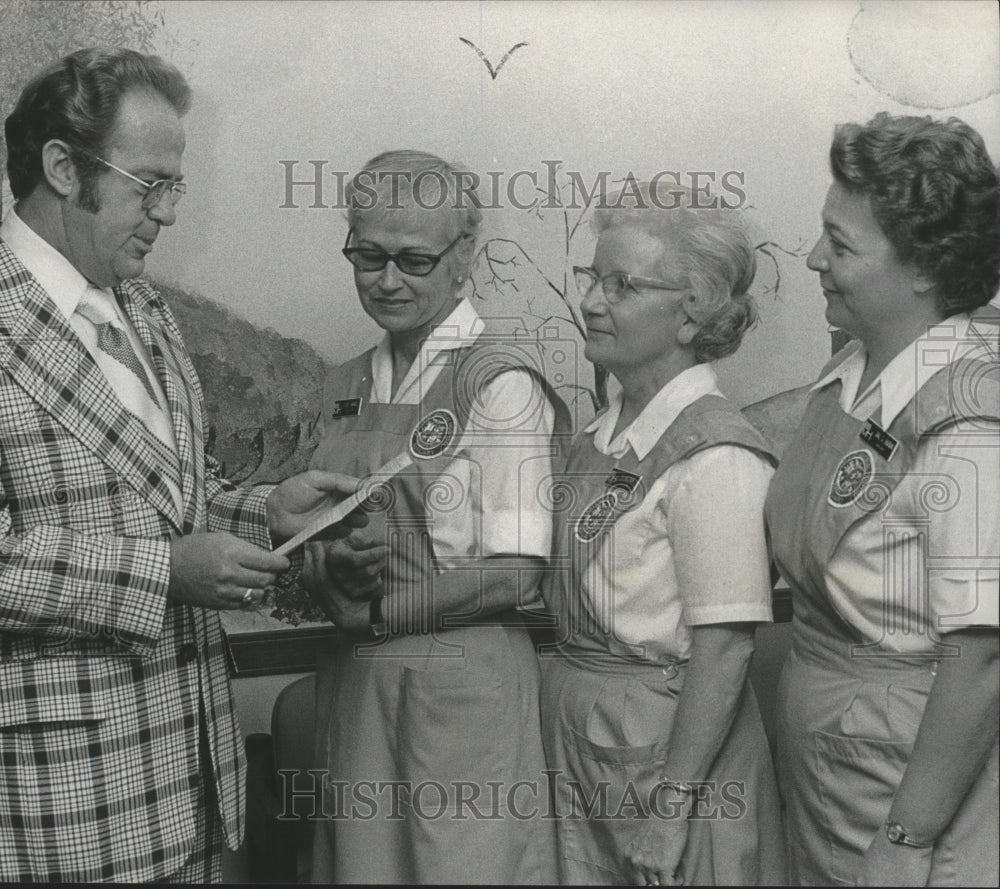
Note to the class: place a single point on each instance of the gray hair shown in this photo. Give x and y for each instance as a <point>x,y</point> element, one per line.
<point>716,253</point>
<point>396,179</point>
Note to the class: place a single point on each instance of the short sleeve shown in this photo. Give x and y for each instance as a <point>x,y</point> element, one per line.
<point>715,520</point>
<point>955,486</point>
<point>509,437</point>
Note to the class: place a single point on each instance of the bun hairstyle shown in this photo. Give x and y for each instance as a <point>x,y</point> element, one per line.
<point>715,251</point>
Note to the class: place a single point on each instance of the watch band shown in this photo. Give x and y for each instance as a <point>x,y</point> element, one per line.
<point>896,834</point>
<point>378,625</point>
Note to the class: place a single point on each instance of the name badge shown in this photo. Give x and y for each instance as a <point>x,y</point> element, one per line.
<point>622,480</point>
<point>346,407</point>
<point>880,441</point>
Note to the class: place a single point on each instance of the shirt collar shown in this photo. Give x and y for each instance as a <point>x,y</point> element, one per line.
<point>664,407</point>
<point>53,271</point>
<point>461,328</point>
<point>905,375</point>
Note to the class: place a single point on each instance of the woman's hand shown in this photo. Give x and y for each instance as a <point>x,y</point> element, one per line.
<point>713,685</point>
<point>654,856</point>
<point>887,864</point>
<point>343,578</point>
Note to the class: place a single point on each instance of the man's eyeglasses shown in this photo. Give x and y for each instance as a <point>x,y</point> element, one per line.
<point>409,262</point>
<point>154,191</point>
<point>617,285</point>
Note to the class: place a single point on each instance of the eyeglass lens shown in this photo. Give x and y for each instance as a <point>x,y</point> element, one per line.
<point>172,191</point>
<point>612,286</point>
<point>370,259</point>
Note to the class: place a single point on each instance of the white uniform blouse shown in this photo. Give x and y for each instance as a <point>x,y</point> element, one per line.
<point>936,548</point>
<point>693,552</point>
<point>501,511</point>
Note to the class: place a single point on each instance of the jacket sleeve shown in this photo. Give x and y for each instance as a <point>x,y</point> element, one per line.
<point>67,585</point>
<point>240,511</point>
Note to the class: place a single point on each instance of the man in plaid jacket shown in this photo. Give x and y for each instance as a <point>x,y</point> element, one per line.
<point>120,756</point>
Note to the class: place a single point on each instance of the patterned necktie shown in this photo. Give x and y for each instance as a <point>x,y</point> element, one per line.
<point>98,307</point>
<point>116,357</point>
<point>115,342</point>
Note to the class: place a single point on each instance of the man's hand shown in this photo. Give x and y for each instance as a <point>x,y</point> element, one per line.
<point>300,499</point>
<point>215,570</point>
<point>343,576</point>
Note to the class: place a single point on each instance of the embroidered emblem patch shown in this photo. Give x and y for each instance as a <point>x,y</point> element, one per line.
<point>596,516</point>
<point>850,478</point>
<point>433,434</point>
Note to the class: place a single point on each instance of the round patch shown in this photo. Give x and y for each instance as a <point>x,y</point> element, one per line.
<point>595,517</point>
<point>850,479</point>
<point>433,434</point>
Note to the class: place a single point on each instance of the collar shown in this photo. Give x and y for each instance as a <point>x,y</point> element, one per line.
<point>460,329</point>
<point>664,407</point>
<point>53,271</point>
<point>904,376</point>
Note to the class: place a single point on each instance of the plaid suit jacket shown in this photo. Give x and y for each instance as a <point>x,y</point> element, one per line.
<point>103,682</point>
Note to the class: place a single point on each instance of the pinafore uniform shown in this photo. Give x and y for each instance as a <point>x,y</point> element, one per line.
<point>593,678</point>
<point>849,705</point>
<point>447,712</point>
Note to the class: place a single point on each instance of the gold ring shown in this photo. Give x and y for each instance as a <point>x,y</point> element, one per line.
<point>248,596</point>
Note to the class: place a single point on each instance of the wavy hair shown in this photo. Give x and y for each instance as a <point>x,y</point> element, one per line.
<point>77,100</point>
<point>935,193</point>
<point>715,251</point>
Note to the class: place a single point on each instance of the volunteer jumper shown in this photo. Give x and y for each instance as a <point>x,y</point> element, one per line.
<point>661,569</point>
<point>433,687</point>
<point>883,521</point>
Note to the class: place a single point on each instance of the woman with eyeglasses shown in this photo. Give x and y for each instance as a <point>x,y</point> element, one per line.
<point>428,704</point>
<point>883,520</point>
<point>662,770</point>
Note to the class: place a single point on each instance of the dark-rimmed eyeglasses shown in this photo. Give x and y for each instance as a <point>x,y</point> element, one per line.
<point>409,262</point>
<point>617,285</point>
<point>155,191</point>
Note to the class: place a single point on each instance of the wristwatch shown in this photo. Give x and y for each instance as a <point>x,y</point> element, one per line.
<point>896,834</point>
<point>376,623</point>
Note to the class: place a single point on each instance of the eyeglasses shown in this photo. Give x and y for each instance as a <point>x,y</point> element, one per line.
<point>155,191</point>
<point>409,262</point>
<point>617,285</point>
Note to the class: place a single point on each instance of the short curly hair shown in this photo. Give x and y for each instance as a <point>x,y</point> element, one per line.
<point>935,192</point>
<point>77,100</point>
<point>717,254</point>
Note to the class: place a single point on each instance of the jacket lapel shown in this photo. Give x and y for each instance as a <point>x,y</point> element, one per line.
<point>41,352</point>
<point>158,332</point>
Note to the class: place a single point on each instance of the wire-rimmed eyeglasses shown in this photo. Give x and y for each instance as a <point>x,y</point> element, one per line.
<point>154,191</point>
<point>617,285</point>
